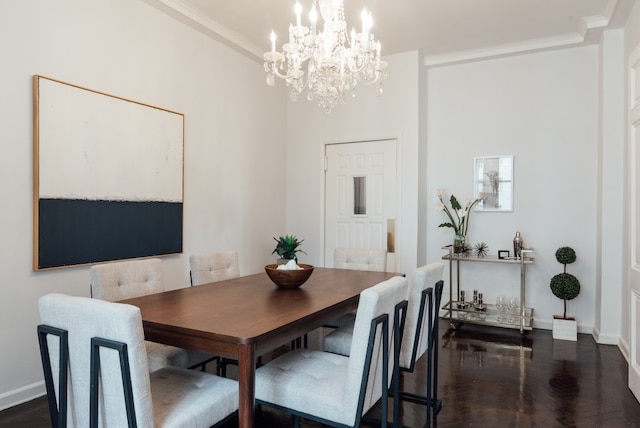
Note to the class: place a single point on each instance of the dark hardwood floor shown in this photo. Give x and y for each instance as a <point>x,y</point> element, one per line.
<point>489,377</point>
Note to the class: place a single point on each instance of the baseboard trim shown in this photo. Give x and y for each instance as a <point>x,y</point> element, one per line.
<point>624,349</point>
<point>22,395</point>
<point>548,325</point>
<point>605,339</point>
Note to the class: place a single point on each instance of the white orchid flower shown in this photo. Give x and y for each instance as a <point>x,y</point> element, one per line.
<point>458,218</point>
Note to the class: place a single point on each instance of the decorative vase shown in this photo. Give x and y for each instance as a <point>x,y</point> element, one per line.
<point>458,243</point>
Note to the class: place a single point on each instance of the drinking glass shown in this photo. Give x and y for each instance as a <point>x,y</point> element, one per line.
<point>501,305</point>
<point>513,307</point>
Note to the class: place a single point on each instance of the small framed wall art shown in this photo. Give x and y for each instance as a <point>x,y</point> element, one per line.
<point>493,176</point>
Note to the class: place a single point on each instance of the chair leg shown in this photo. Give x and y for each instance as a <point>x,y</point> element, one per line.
<point>385,394</point>
<point>399,319</point>
<point>396,398</point>
<point>436,404</point>
<point>203,365</point>
<point>223,368</point>
<point>429,359</point>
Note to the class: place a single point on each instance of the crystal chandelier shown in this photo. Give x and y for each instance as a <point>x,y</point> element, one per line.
<point>335,61</point>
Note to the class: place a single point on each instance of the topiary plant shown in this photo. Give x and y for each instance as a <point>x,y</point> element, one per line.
<point>564,285</point>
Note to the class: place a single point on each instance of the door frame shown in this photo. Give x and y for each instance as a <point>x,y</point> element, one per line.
<point>633,267</point>
<point>399,213</point>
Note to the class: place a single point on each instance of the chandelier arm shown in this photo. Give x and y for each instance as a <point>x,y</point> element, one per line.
<point>285,77</point>
<point>358,70</point>
<point>274,70</point>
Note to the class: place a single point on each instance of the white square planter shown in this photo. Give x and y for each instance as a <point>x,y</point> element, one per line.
<point>565,329</point>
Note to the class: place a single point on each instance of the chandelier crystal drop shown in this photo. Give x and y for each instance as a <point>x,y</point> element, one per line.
<point>335,61</point>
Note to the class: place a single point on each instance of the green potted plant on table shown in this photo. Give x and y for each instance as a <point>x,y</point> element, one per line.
<point>287,248</point>
<point>566,287</point>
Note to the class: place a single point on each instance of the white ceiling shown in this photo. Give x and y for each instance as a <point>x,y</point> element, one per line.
<point>445,31</point>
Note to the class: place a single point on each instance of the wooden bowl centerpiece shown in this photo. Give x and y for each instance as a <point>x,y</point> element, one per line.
<point>285,278</point>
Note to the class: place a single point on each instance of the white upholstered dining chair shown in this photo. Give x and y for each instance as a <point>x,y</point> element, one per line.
<point>96,372</point>
<point>420,334</point>
<point>374,259</point>
<point>125,280</point>
<point>213,267</point>
<point>334,389</point>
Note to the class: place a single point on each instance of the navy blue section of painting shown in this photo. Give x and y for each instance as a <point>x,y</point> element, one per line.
<point>75,231</point>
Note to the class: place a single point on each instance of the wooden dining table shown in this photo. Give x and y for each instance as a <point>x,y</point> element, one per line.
<point>245,317</point>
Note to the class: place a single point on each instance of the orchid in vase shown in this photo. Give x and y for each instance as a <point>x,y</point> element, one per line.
<point>458,217</point>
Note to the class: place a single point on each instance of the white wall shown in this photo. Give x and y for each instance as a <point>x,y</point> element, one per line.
<point>234,145</point>
<point>424,210</point>
<point>366,117</point>
<point>632,29</point>
<point>542,108</point>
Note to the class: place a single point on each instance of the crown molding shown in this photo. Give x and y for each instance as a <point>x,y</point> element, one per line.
<point>504,50</point>
<point>195,19</point>
<point>586,25</point>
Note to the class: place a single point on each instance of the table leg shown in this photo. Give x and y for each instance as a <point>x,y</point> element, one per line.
<point>246,383</point>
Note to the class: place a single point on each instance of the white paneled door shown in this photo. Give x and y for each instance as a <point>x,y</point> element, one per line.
<point>634,241</point>
<point>360,197</point>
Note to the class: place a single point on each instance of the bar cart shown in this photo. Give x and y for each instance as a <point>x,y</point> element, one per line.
<point>464,310</point>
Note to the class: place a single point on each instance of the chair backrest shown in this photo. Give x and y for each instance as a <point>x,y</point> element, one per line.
<point>214,267</point>
<point>415,338</point>
<point>360,259</point>
<point>84,318</point>
<point>375,301</point>
<point>126,280</point>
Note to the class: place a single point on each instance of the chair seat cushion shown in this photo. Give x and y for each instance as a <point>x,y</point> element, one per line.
<point>182,397</point>
<point>160,355</point>
<point>307,381</point>
<point>339,340</point>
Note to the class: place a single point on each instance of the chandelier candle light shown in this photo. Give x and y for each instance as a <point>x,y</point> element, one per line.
<point>335,61</point>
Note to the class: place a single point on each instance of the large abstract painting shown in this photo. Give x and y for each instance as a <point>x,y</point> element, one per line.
<point>108,177</point>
